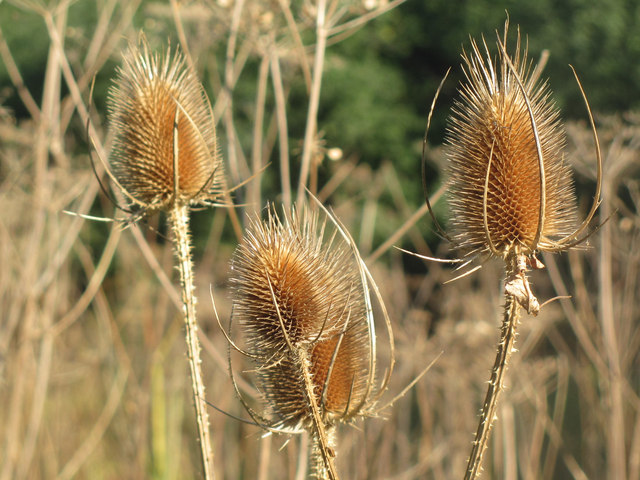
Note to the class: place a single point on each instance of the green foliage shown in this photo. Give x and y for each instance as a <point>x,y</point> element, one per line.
<point>367,110</point>
<point>24,32</point>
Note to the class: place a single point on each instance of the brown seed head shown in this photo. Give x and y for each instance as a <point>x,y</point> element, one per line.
<point>298,294</point>
<point>494,170</point>
<point>165,146</point>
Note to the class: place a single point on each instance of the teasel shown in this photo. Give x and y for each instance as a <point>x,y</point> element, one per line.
<point>511,193</point>
<point>165,157</point>
<point>301,299</point>
<point>165,150</point>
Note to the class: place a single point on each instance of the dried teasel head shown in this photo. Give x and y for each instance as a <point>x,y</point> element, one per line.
<point>302,303</point>
<point>165,148</point>
<point>511,190</point>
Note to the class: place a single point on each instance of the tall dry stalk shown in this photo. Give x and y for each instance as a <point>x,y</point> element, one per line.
<point>290,39</point>
<point>613,316</point>
<point>511,192</point>
<point>40,303</point>
<point>165,157</point>
<point>302,301</point>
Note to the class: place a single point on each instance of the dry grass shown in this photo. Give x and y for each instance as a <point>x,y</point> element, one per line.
<point>93,379</point>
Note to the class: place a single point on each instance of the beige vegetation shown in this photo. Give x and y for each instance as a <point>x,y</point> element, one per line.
<point>94,380</point>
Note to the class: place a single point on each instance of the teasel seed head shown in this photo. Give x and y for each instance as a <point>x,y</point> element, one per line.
<point>511,190</point>
<point>165,148</point>
<point>299,301</point>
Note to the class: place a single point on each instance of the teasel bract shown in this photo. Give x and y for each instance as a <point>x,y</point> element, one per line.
<point>511,193</point>
<point>301,299</point>
<point>165,157</point>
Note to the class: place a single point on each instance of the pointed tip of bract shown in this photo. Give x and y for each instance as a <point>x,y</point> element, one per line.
<point>495,174</point>
<point>165,147</point>
<point>297,288</point>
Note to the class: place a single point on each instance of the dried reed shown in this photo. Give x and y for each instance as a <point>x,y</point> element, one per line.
<point>301,299</point>
<point>165,157</point>
<point>511,192</point>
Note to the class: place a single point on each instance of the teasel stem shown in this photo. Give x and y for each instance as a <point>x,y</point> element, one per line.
<point>505,348</point>
<point>322,437</point>
<point>321,467</point>
<point>165,157</point>
<point>179,219</point>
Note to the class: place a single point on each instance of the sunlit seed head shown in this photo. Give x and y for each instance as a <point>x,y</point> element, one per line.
<point>148,95</point>
<point>494,163</point>
<point>296,280</point>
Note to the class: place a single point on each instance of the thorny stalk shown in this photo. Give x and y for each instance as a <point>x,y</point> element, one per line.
<point>169,162</point>
<point>324,465</point>
<point>505,348</point>
<point>179,218</point>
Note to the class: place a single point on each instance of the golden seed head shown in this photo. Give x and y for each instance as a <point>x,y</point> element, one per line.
<point>494,163</point>
<point>162,122</point>
<point>298,295</point>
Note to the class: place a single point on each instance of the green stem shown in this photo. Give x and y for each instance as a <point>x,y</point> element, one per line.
<point>180,223</point>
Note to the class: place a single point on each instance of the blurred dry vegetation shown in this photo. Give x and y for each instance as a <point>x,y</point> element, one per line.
<point>93,379</point>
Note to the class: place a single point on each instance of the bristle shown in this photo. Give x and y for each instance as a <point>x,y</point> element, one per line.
<point>148,95</point>
<point>491,131</point>
<point>298,273</point>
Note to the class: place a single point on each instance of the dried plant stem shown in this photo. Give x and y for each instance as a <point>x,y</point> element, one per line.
<point>179,217</point>
<point>254,190</point>
<point>27,312</point>
<point>322,463</point>
<point>281,117</point>
<point>322,452</point>
<point>406,226</point>
<point>496,384</point>
<point>229,74</point>
<point>616,458</point>
<point>314,100</point>
<point>265,458</point>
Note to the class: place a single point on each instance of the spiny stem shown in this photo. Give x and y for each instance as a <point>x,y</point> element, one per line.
<point>179,217</point>
<point>496,384</point>
<point>318,455</point>
<point>325,469</point>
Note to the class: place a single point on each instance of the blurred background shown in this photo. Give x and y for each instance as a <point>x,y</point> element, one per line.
<point>93,375</point>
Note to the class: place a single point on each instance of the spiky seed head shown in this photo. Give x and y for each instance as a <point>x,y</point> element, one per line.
<point>490,133</point>
<point>298,295</point>
<point>162,122</point>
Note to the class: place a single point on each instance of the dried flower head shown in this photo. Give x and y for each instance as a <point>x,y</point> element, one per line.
<point>165,148</point>
<point>510,187</point>
<point>299,300</point>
